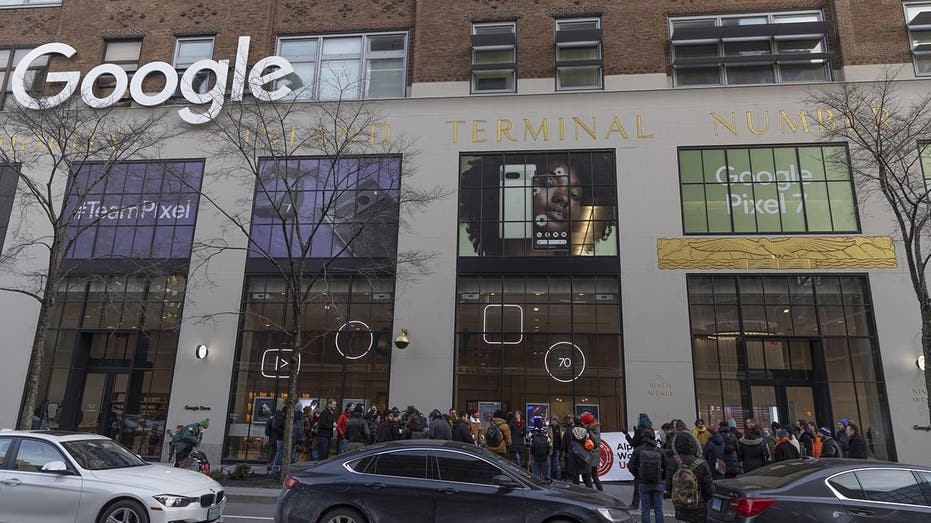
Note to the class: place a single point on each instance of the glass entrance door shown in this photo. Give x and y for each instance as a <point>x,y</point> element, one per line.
<point>103,403</point>
<point>786,403</point>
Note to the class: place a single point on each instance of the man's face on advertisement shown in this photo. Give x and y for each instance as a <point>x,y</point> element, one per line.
<point>557,196</point>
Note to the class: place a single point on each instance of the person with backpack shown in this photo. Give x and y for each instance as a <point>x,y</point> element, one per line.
<point>731,460</point>
<point>713,453</point>
<point>594,432</point>
<point>784,449</point>
<point>829,446</point>
<point>185,440</point>
<point>688,480</point>
<point>540,443</point>
<point>751,451</point>
<point>648,466</point>
<point>643,421</point>
<point>498,434</point>
<point>579,455</point>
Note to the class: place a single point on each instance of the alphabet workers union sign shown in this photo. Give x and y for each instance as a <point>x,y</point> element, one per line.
<point>281,68</point>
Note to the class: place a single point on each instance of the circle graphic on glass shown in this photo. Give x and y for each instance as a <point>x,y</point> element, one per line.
<point>357,340</point>
<point>564,361</point>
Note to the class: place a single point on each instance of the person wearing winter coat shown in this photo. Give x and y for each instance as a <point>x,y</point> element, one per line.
<point>499,420</point>
<point>578,458</point>
<point>414,428</point>
<point>751,451</point>
<point>784,449</point>
<point>843,439</point>
<point>713,451</point>
<point>540,443</point>
<point>684,447</point>
<point>439,428</point>
<point>829,446</point>
<point>680,427</point>
<point>556,461</point>
<point>594,432</point>
<point>700,432</point>
<point>806,438</point>
<point>461,431</point>
<point>475,425</point>
<point>518,436</point>
<point>731,460</point>
<point>653,485</point>
<point>357,430</point>
<point>385,432</point>
<point>857,445</point>
<point>297,433</point>
<point>643,421</point>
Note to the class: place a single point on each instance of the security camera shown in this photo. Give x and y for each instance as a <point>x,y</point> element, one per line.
<point>402,341</point>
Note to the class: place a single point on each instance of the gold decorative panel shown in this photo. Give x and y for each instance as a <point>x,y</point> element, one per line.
<point>794,252</point>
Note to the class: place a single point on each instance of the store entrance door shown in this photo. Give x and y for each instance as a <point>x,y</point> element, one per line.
<point>103,403</point>
<point>787,380</point>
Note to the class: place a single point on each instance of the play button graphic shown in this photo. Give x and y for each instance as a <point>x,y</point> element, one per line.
<point>276,363</point>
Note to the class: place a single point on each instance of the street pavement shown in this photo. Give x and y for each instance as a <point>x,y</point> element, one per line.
<point>257,505</point>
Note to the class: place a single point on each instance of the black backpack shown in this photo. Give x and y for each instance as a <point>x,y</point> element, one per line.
<point>268,426</point>
<point>539,446</point>
<point>651,466</point>
<point>730,443</point>
<point>493,435</point>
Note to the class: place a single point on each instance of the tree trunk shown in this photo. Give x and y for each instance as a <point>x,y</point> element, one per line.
<point>926,347</point>
<point>288,445</point>
<point>38,347</point>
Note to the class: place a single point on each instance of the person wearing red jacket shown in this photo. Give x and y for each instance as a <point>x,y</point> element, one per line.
<point>341,427</point>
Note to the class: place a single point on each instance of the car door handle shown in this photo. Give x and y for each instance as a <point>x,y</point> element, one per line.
<point>447,491</point>
<point>862,511</point>
<point>12,482</point>
<point>376,486</point>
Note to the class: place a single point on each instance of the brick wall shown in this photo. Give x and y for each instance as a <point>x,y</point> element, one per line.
<point>635,31</point>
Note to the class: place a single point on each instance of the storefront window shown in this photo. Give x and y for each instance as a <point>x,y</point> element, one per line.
<point>547,344</point>
<point>538,204</point>
<point>800,347</point>
<point>110,356</point>
<point>767,190</point>
<point>347,331</point>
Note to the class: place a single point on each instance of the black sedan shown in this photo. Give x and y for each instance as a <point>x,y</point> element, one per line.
<point>426,480</point>
<point>836,490</point>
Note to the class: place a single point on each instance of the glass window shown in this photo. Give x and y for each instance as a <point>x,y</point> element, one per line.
<point>4,446</point>
<point>766,190</point>
<point>124,53</point>
<point>733,68</point>
<point>190,50</point>
<point>540,204</point>
<point>463,468</point>
<point>34,79</point>
<point>494,60</point>
<point>919,32</point>
<point>302,53</point>
<point>848,486</point>
<point>578,54</point>
<point>9,179</point>
<point>891,486</point>
<point>404,464</point>
<point>33,455</point>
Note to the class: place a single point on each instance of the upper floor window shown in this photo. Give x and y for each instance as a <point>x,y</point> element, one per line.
<point>347,67</point>
<point>35,75</point>
<point>579,63</point>
<point>29,3</point>
<point>124,53</point>
<point>750,49</point>
<point>494,58</point>
<point>190,50</point>
<point>918,18</point>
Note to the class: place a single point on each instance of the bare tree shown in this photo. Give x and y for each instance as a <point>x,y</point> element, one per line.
<point>45,148</point>
<point>325,196</point>
<point>889,133</point>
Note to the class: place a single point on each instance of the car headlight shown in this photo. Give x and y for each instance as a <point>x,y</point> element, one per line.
<point>175,501</point>
<point>613,514</point>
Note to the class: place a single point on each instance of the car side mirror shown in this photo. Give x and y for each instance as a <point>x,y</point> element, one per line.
<point>506,482</point>
<point>55,467</point>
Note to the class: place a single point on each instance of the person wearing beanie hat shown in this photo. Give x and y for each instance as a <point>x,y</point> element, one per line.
<point>829,446</point>
<point>357,431</point>
<point>205,423</point>
<point>439,428</point>
<point>185,440</point>
<point>685,457</point>
<point>643,421</point>
<point>590,422</point>
<point>784,449</point>
<point>842,438</point>
<point>587,418</point>
<point>539,441</point>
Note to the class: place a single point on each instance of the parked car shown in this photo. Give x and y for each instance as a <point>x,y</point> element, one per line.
<point>433,480</point>
<point>56,477</point>
<point>838,490</point>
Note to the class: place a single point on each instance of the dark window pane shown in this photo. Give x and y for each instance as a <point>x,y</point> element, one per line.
<point>33,455</point>
<point>4,446</point>
<point>405,464</point>
<point>892,486</point>
<point>837,360</point>
<point>848,486</point>
<point>463,468</point>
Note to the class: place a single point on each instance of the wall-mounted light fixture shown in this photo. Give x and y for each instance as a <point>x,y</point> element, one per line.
<point>403,340</point>
<point>200,351</point>
<point>921,362</point>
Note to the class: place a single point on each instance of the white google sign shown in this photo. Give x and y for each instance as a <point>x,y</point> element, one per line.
<point>215,97</point>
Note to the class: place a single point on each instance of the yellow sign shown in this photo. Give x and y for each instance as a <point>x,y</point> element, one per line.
<point>795,252</point>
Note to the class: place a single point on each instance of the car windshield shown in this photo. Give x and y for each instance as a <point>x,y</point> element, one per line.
<point>102,454</point>
<point>782,473</point>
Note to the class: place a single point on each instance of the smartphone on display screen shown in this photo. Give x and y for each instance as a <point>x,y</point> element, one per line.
<point>516,201</point>
<point>361,216</point>
<point>552,227</point>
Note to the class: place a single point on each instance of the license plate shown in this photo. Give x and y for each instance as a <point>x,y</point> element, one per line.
<point>716,504</point>
<point>213,513</point>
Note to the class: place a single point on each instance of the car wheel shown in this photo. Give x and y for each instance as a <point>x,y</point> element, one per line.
<point>125,511</point>
<point>343,515</point>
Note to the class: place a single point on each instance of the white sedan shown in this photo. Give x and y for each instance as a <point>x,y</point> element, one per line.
<point>57,477</point>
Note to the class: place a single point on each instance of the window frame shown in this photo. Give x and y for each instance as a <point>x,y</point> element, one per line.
<point>17,445</point>
<point>757,232</point>
<point>181,69</point>
<point>375,457</point>
<point>364,57</point>
<point>916,55</point>
<point>437,454</point>
<point>6,72</point>
<point>505,67</point>
<point>125,65</point>
<point>775,63</point>
<point>918,481</point>
<point>598,45</point>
